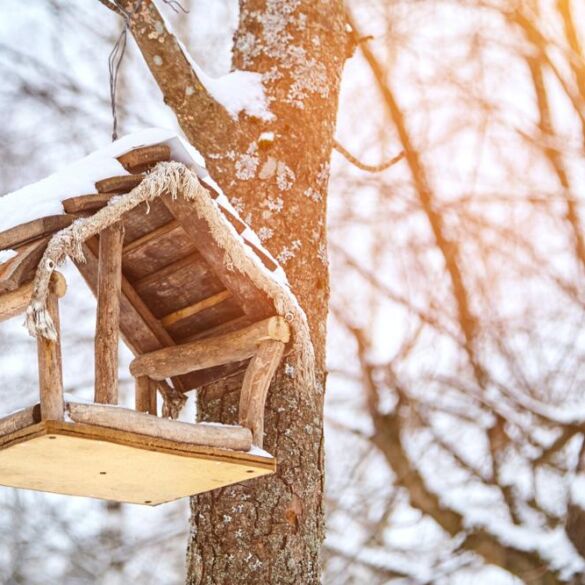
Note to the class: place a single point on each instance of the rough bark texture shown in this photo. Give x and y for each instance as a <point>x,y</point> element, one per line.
<point>269,530</point>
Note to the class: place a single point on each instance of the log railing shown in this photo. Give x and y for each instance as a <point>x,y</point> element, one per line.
<point>263,341</point>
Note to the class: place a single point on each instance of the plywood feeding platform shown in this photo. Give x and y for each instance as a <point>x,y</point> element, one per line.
<point>188,287</point>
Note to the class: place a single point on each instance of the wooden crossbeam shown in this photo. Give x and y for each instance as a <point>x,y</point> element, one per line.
<point>207,353</point>
<point>109,289</point>
<point>15,302</point>
<point>195,308</point>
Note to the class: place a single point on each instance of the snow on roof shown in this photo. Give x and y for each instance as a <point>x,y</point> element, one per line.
<point>43,198</point>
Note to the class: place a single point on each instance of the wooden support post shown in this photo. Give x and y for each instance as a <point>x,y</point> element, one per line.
<point>257,380</point>
<point>109,288</point>
<point>50,371</point>
<point>145,395</point>
<point>207,353</point>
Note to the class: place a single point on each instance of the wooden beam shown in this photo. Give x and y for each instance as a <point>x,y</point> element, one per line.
<point>254,302</point>
<point>20,420</point>
<point>121,184</point>
<point>142,159</point>
<point>261,369</point>
<point>50,368</point>
<point>15,302</point>
<point>83,203</point>
<point>32,230</point>
<point>141,330</point>
<point>160,231</point>
<point>207,353</point>
<point>107,332</point>
<point>224,436</point>
<point>145,396</point>
<point>195,308</point>
<point>23,266</point>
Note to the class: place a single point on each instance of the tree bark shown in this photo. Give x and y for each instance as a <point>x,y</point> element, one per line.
<point>268,530</point>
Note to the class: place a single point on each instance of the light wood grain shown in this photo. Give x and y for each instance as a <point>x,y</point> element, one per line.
<point>92,461</point>
<point>109,287</point>
<point>195,308</point>
<point>207,353</point>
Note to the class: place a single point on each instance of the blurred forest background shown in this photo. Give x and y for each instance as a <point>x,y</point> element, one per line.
<point>455,408</point>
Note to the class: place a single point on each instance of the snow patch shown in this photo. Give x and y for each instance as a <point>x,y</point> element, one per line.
<point>44,197</point>
<point>6,255</point>
<point>238,91</point>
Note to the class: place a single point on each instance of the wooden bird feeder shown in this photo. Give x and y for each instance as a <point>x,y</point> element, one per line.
<point>161,281</point>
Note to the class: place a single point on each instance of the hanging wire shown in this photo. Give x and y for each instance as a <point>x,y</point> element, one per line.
<point>117,54</point>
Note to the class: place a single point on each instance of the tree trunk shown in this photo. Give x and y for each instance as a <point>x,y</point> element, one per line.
<point>276,174</point>
<point>270,530</point>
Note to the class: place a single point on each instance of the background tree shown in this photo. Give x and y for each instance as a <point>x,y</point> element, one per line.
<point>455,355</point>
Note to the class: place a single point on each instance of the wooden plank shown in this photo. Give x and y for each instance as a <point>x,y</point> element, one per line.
<point>207,353</point>
<point>142,159</point>
<point>155,253</point>
<point>124,419</point>
<point>32,230</point>
<point>83,203</point>
<point>145,395</point>
<point>195,308</point>
<point>253,301</point>
<point>109,289</point>
<point>153,235</point>
<point>22,267</point>
<point>189,284</point>
<point>208,319</point>
<point>50,367</point>
<point>144,218</point>
<point>117,465</point>
<point>259,374</point>
<point>121,184</point>
<point>20,419</point>
<point>15,302</point>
